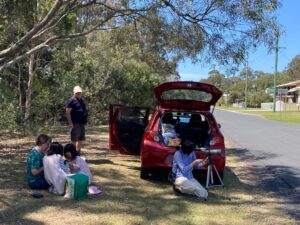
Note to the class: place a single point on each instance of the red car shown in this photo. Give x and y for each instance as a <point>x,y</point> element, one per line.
<point>184,114</point>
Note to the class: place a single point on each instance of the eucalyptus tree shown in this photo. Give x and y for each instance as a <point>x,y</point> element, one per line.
<point>217,79</point>
<point>166,31</point>
<point>219,29</point>
<point>109,73</point>
<point>292,72</point>
<point>17,17</point>
<point>258,81</point>
<point>263,80</point>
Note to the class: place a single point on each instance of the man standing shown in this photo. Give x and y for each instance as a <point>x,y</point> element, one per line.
<point>77,115</point>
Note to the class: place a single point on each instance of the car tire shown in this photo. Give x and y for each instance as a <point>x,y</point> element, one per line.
<point>145,173</point>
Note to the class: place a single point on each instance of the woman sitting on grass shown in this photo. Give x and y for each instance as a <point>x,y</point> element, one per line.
<point>34,164</point>
<point>183,164</point>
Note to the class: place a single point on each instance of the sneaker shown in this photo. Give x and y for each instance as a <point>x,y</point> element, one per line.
<point>176,191</point>
<point>53,190</point>
<point>68,195</point>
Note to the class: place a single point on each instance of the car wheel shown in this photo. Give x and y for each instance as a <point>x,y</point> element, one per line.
<point>145,173</point>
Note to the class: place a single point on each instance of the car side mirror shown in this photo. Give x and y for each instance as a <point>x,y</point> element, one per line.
<point>219,125</point>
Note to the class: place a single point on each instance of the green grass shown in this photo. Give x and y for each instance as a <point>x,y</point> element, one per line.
<point>292,117</point>
<point>127,198</point>
<point>287,117</point>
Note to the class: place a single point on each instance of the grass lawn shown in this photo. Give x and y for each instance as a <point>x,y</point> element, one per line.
<point>292,117</point>
<point>286,117</point>
<point>127,198</point>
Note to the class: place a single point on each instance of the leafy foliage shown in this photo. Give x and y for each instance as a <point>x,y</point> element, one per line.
<point>292,73</point>
<point>119,50</point>
<point>108,74</point>
<point>212,30</point>
<point>235,87</point>
<point>9,110</point>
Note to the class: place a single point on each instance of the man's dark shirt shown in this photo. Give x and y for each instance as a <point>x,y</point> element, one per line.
<point>79,113</point>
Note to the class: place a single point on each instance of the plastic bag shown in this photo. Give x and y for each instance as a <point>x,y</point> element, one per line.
<point>77,186</point>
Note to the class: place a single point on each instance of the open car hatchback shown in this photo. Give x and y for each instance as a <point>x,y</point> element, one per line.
<point>184,114</point>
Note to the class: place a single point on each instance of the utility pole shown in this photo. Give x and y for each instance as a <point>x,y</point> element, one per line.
<point>246,85</point>
<point>275,74</point>
<point>228,82</point>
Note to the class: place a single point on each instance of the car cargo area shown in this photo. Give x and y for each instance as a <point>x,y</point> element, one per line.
<point>176,126</point>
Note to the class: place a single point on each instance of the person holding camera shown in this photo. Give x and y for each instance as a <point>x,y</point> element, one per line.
<point>184,162</point>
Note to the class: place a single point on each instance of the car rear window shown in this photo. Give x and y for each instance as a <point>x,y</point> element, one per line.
<point>185,117</point>
<point>187,94</point>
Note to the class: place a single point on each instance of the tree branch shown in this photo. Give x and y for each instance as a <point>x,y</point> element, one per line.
<point>24,40</point>
<point>7,62</point>
<point>55,21</point>
<point>186,16</point>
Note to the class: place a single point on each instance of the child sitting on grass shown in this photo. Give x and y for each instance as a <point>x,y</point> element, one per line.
<point>75,162</point>
<point>55,170</point>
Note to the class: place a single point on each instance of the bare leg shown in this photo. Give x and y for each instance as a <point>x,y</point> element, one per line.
<point>77,145</point>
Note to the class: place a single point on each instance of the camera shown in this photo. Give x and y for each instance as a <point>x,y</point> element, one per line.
<point>210,151</point>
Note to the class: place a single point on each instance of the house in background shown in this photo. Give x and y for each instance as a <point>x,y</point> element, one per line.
<point>289,94</point>
<point>287,97</point>
<point>292,90</point>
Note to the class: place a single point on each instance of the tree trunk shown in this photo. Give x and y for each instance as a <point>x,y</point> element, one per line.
<point>19,86</point>
<point>31,73</point>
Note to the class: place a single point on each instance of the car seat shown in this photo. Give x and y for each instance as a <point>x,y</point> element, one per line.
<point>168,118</point>
<point>198,130</point>
<point>195,121</point>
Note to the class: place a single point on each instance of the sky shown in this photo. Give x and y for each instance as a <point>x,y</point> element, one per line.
<point>289,47</point>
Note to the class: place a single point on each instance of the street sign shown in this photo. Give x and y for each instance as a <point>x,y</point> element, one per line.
<point>282,91</point>
<point>279,91</point>
<point>269,90</point>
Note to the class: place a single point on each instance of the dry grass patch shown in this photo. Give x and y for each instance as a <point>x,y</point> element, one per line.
<point>127,198</point>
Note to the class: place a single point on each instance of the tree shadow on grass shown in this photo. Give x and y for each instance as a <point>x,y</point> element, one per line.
<point>126,197</point>
<point>125,194</point>
<point>122,196</point>
<point>99,161</point>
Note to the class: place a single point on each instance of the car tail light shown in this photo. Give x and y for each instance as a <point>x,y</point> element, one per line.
<point>216,141</point>
<point>152,136</point>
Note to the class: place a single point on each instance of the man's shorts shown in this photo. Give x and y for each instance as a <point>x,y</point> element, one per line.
<point>78,132</point>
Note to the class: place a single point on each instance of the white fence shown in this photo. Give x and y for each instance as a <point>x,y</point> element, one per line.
<point>280,105</point>
<point>238,105</point>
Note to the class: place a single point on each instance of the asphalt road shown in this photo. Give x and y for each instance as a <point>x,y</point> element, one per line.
<point>275,144</point>
<point>273,151</point>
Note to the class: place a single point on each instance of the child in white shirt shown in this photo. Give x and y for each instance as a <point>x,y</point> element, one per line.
<point>54,169</point>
